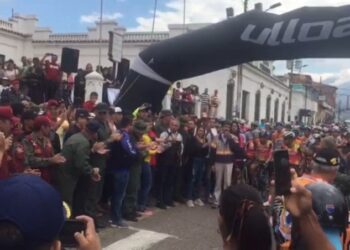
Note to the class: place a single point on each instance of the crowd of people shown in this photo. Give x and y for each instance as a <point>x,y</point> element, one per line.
<point>115,166</point>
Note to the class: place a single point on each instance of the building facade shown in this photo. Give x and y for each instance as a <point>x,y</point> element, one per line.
<point>250,91</point>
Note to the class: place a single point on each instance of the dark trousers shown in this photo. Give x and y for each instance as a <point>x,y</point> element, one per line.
<point>145,187</point>
<point>166,174</point>
<point>195,180</point>
<point>130,201</point>
<point>120,183</point>
<point>51,89</point>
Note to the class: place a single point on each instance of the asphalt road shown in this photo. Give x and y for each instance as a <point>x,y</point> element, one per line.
<point>178,228</point>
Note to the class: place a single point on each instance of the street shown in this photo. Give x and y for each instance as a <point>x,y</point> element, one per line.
<point>176,228</point>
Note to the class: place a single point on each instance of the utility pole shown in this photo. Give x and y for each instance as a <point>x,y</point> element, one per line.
<point>184,18</point>
<point>154,18</point>
<point>240,76</point>
<point>100,36</point>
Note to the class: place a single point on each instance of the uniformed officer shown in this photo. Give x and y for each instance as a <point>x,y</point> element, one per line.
<point>38,149</point>
<point>73,180</point>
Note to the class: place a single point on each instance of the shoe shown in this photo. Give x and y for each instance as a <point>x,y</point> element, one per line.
<point>199,203</point>
<point>100,223</point>
<point>215,205</point>
<point>139,214</point>
<point>161,206</point>
<point>130,217</point>
<point>189,203</point>
<point>171,204</point>
<point>180,200</point>
<point>120,224</point>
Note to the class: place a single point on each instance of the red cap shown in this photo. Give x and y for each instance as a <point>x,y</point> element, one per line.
<point>14,82</point>
<point>6,112</point>
<point>40,121</point>
<point>52,103</point>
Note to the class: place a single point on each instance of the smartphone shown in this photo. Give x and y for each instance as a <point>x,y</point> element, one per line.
<point>283,178</point>
<point>71,227</point>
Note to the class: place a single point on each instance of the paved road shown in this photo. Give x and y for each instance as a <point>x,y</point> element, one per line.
<point>178,228</point>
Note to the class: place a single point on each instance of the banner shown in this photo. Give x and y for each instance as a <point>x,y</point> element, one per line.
<point>308,32</point>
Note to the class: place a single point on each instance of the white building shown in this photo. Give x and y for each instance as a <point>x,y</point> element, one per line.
<point>262,95</point>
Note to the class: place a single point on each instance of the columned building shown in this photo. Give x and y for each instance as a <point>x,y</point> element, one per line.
<point>250,91</point>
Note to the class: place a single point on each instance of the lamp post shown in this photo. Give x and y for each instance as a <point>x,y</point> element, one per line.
<point>154,18</point>
<point>274,6</point>
<point>100,35</point>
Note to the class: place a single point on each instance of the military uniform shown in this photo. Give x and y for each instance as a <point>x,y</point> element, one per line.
<point>72,180</point>
<point>38,152</point>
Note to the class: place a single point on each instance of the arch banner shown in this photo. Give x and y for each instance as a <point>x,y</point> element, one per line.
<point>308,32</point>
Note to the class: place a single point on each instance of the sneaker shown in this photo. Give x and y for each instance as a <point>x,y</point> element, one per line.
<point>161,206</point>
<point>120,224</point>
<point>215,205</point>
<point>189,203</point>
<point>199,203</point>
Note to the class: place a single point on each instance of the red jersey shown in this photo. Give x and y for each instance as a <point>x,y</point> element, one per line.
<point>53,72</point>
<point>294,154</point>
<point>89,106</point>
<point>263,151</point>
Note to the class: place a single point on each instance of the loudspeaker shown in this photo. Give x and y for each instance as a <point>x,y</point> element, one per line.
<point>123,69</point>
<point>69,60</point>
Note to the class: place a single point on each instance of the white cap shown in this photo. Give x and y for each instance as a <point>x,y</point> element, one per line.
<point>118,110</point>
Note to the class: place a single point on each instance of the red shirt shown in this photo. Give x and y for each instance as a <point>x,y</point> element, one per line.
<point>4,170</point>
<point>89,106</point>
<point>53,72</point>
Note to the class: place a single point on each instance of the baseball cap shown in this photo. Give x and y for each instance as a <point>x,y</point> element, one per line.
<point>81,113</point>
<point>165,113</point>
<point>33,206</point>
<point>41,121</point>
<point>328,157</point>
<point>93,126</point>
<point>28,115</point>
<point>118,110</point>
<point>52,103</point>
<point>6,112</point>
<point>102,107</point>
<point>145,106</point>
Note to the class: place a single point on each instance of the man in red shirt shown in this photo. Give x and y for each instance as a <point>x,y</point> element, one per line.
<point>53,75</point>
<point>91,104</point>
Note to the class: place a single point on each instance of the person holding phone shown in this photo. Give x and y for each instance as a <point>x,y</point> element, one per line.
<point>35,218</point>
<point>244,224</point>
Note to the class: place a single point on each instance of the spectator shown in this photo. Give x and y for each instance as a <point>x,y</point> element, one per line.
<point>35,218</point>
<point>81,119</point>
<point>39,151</point>
<point>123,155</point>
<point>91,104</point>
<point>163,123</point>
<point>52,75</point>
<point>73,179</point>
<point>205,102</point>
<point>11,71</point>
<point>176,99</point>
<point>214,104</point>
<point>13,94</point>
<point>6,117</point>
<point>35,81</point>
<point>168,162</point>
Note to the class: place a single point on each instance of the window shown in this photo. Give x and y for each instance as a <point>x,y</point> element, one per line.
<point>277,103</point>
<point>257,106</point>
<point>268,108</point>
<point>245,105</point>
<point>229,99</point>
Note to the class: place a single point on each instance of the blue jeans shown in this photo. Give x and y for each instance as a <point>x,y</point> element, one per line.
<point>146,185</point>
<point>120,183</point>
<point>193,188</point>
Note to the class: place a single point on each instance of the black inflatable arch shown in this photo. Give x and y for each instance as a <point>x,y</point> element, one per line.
<point>308,32</point>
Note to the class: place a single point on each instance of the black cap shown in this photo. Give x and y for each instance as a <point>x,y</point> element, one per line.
<point>81,113</point>
<point>145,106</point>
<point>28,115</point>
<point>93,126</point>
<point>102,107</point>
<point>165,113</point>
<point>327,157</point>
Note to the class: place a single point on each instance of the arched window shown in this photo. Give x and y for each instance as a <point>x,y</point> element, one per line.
<point>268,108</point>
<point>257,106</point>
<point>275,117</point>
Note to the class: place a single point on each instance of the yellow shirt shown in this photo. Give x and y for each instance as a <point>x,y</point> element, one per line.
<point>152,149</point>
